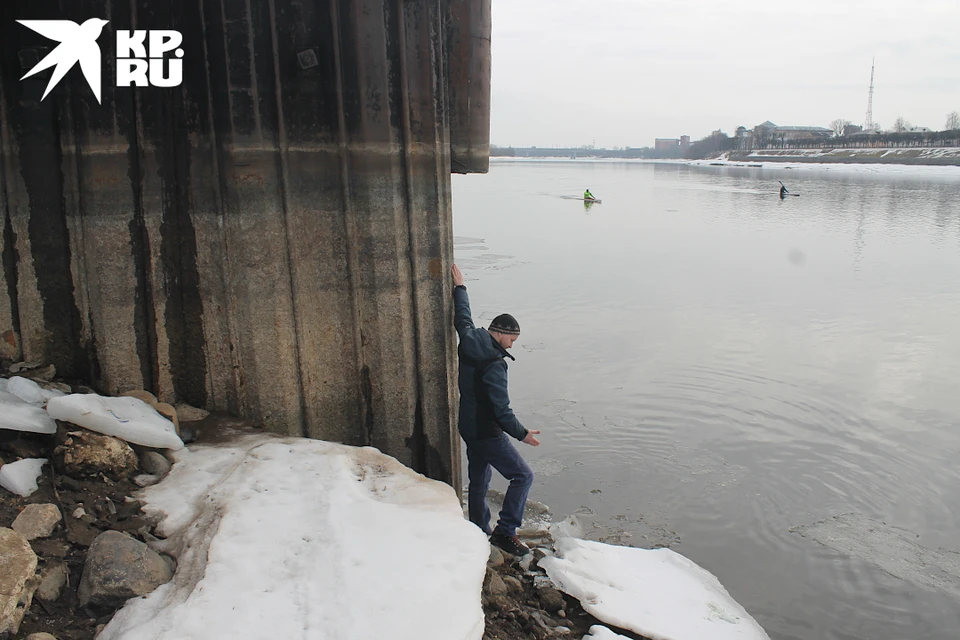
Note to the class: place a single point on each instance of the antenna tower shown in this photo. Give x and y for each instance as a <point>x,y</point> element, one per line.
<point>868,125</point>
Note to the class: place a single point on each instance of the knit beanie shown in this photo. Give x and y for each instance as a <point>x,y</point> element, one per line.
<point>505,323</point>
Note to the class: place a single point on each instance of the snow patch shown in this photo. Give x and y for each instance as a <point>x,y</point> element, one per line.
<point>295,538</point>
<point>29,391</point>
<point>17,415</point>
<point>21,477</point>
<point>654,592</point>
<point>126,418</point>
<point>596,632</point>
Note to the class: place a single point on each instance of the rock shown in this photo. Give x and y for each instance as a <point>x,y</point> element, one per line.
<point>550,599</point>
<point>18,566</point>
<point>167,411</point>
<point>37,521</point>
<point>140,394</point>
<point>494,584</point>
<point>118,568</point>
<point>79,513</point>
<point>47,373</point>
<point>41,636</point>
<point>170,562</point>
<point>55,386</point>
<point>155,464</point>
<point>513,584</point>
<point>186,413</point>
<point>81,534</point>
<point>52,580</point>
<point>23,366</point>
<point>189,432</point>
<point>50,548</point>
<point>496,558</point>
<point>69,483</point>
<point>87,454</point>
<point>145,480</point>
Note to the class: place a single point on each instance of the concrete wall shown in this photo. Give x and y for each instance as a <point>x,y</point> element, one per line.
<point>272,238</point>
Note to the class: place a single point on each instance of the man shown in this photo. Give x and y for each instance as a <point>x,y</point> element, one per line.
<point>783,191</point>
<point>486,418</point>
<point>587,195</point>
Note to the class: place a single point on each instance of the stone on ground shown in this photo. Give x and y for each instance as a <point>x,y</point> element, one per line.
<point>119,568</point>
<point>87,454</point>
<point>18,566</point>
<point>53,579</point>
<point>37,521</point>
<point>155,464</point>
<point>142,395</point>
<point>188,413</point>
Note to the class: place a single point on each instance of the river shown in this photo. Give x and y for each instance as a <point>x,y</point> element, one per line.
<point>769,387</point>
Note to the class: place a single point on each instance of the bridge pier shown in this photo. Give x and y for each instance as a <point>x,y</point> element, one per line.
<point>271,238</point>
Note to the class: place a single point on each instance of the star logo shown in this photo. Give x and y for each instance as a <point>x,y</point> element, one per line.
<point>78,43</point>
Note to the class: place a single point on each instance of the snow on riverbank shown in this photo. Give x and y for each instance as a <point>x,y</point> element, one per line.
<point>288,537</point>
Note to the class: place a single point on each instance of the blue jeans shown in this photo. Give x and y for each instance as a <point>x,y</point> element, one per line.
<point>500,454</point>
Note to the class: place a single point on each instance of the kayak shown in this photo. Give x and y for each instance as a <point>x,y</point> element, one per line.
<point>595,200</point>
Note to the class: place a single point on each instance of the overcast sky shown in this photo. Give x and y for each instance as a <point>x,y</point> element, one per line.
<point>623,72</point>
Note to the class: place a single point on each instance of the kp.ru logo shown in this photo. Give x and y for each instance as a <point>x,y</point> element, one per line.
<point>140,54</point>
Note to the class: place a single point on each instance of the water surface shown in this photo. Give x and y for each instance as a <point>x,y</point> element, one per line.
<point>769,387</point>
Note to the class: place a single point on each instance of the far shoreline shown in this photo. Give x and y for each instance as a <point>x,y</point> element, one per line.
<point>918,166</point>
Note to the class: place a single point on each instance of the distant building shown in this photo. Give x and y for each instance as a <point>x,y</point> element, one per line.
<point>851,129</point>
<point>770,134</point>
<point>665,144</point>
<point>803,132</point>
<point>684,142</point>
<point>744,138</point>
<point>918,130</point>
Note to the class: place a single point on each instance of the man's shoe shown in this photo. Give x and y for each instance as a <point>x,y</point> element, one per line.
<point>510,544</point>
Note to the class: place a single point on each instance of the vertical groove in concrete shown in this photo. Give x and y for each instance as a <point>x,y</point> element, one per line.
<point>221,371</point>
<point>417,440</point>
<point>364,410</point>
<point>272,238</point>
<point>282,159</point>
<point>73,206</point>
<point>9,307</point>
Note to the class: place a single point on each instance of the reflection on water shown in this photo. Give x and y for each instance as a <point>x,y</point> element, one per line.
<point>766,385</point>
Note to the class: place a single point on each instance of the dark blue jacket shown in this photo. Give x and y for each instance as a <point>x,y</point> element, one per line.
<point>484,403</point>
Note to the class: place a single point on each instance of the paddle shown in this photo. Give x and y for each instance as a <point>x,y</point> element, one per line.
<point>787,193</point>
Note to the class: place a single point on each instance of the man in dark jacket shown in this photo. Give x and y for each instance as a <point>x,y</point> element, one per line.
<point>486,418</point>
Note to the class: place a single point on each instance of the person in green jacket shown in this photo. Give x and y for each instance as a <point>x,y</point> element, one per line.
<point>587,195</point>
